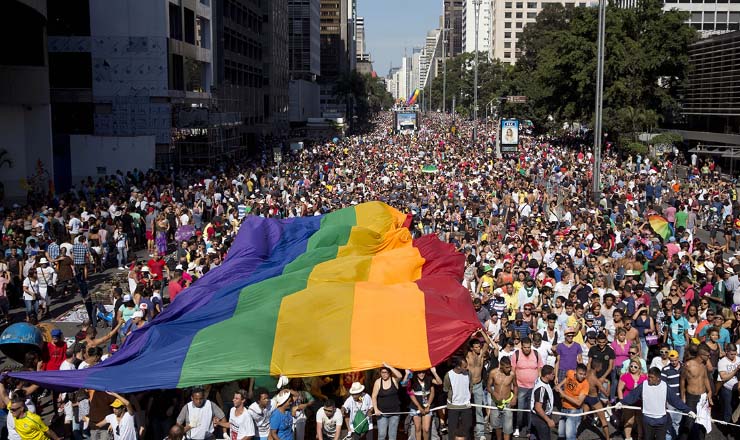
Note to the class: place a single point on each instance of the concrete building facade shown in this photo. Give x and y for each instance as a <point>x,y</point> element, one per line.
<point>485,24</point>
<point>453,23</point>
<point>26,160</point>
<point>304,59</point>
<point>509,19</point>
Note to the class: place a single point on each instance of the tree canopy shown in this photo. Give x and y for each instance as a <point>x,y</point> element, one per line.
<point>646,61</point>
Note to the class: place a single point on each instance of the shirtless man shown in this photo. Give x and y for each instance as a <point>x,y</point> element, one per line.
<point>597,385</point>
<point>476,356</point>
<point>503,389</point>
<point>632,334</point>
<point>693,383</point>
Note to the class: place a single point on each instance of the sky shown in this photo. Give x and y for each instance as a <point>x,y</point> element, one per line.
<point>391,25</point>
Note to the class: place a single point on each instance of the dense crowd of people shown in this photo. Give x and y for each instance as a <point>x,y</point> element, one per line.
<point>582,304</point>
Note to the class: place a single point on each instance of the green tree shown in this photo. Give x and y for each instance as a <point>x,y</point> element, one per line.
<point>646,60</point>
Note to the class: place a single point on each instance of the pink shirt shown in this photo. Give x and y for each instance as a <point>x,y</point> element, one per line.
<point>527,368</point>
<point>629,382</point>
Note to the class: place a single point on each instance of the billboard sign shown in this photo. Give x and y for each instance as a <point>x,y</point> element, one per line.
<point>509,133</point>
<point>406,121</point>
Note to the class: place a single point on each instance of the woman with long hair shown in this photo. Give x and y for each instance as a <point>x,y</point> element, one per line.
<point>628,382</point>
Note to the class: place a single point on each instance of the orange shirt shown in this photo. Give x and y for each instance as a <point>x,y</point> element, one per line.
<point>573,388</point>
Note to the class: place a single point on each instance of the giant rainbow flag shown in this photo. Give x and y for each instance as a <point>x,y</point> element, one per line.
<point>306,296</point>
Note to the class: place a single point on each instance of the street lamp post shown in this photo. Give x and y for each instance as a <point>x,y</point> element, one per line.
<point>599,101</point>
<point>477,4</point>
<point>444,71</point>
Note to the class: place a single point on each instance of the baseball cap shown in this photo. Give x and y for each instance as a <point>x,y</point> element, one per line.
<point>673,354</point>
<point>126,298</point>
<point>138,314</point>
<point>56,332</point>
<point>117,403</point>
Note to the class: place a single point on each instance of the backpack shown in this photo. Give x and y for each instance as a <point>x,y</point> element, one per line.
<point>360,423</point>
<point>536,356</point>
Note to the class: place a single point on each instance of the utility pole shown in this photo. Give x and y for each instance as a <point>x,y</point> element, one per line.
<point>599,101</point>
<point>475,75</point>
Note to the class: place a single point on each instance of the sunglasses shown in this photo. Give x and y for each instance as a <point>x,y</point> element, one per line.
<point>16,409</point>
<point>527,309</point>
<point>663,351</point>
<point>633,366</point>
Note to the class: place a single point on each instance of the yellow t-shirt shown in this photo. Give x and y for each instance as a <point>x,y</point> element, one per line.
<point>31,427</point>
<point>512,302</point>
<point>573,322</point>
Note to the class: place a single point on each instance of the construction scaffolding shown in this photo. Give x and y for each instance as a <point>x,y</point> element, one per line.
<point>203,136</point>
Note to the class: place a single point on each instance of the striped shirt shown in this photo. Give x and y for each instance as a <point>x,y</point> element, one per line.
<point>671,376</point>
<point>524,329</point>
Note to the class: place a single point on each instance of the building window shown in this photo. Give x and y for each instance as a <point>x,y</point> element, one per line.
<point>507,45</point>
<point>507,34</point>
<point>189,26</point>
<point>507,5</point>
<point>531,15</point>
<point>519,25</point>
<point>507,14</point>
<point>583,5</point>
<point>518,15</point>
<point>519,5</point>
<point>175,22</point>
<point>507,54</point>
<point>203,32</point>
<point>532,5</point>
<point>68,18</point>
<point>507,25</point>
<point>176,73</point>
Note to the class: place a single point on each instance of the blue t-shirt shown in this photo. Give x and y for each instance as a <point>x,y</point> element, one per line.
<point>678,326</point>
<point>282,422</point>
<point>724,335</point>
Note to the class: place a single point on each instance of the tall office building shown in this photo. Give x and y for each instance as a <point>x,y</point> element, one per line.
<point>25,110</point>
<point>241,44</point>
<point>276,65</point>
<point>362,54</point>
<point>485,24</point>
<point>304,59</point>
<point>453,23</point>
<point>132,87</point>
<point>336,51</point>
<point>509,19</point>
<point>711,17</point>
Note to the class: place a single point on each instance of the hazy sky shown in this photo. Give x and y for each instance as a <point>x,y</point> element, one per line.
<point>391,25</point>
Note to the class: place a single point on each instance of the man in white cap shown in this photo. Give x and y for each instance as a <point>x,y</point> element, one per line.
<point>358,402</point>
<point>281,420</point>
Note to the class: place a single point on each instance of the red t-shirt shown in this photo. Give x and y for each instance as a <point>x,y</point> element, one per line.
<point>173,288</point>
<point>156,268</point>
<point>56,355</point>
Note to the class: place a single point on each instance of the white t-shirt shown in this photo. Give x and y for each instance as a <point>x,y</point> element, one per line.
<point>74,225</point>
<point>658,363</point>
<point>240,426</point>
<point>351,407</point>
<point>329,426</point>
<point>725,365</point>
<point>545,353</point>
<point>261,417</point>
<point>124,429</point>
<point>67,366</point>
<point>33,286</point>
